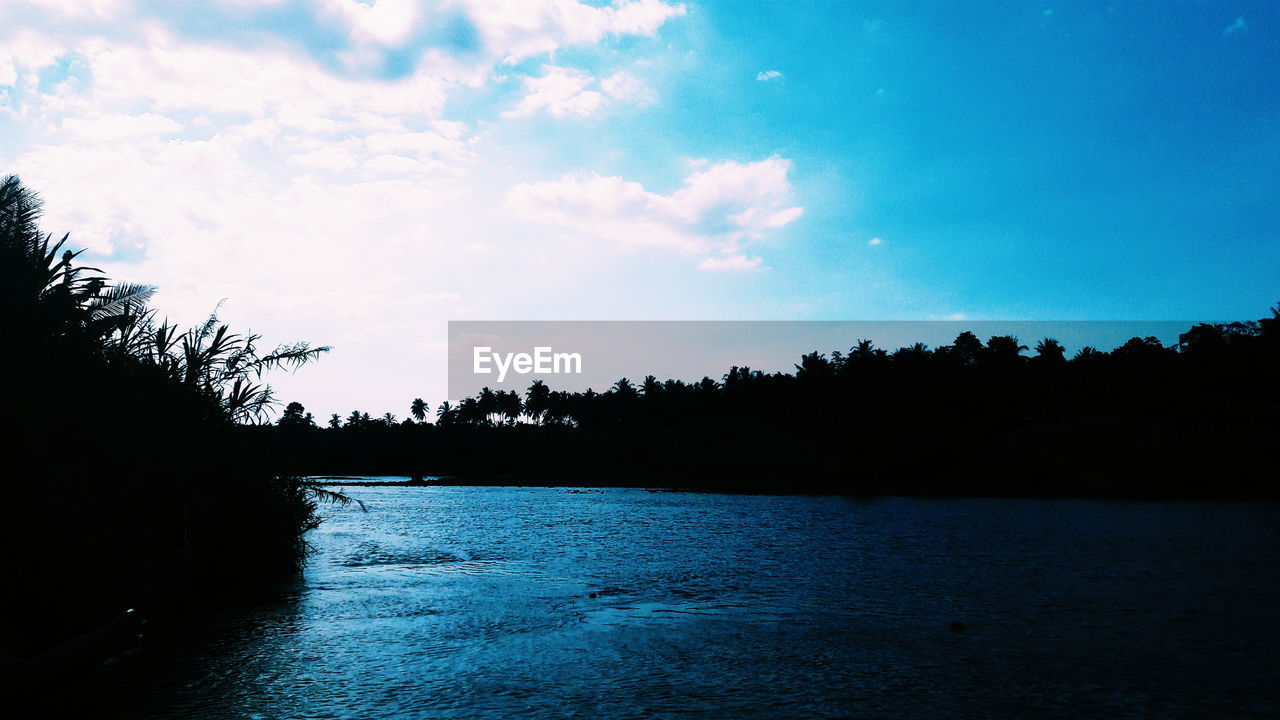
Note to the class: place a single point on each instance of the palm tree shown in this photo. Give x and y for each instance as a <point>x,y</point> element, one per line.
<point>966,347</point>
<point>1088,354</point>
<point>624,389</point>
<point>911,355</point>
<point>509,405</point>
<point>862,353</point>
<point>537,401</point>
<point>1050,350</point>
<point>1003,349</point>
<point>418,409</point>
<point>813,365</point>
<point>470,412</point>
<point>650,386</point>
<point>487,406</point>
<point>445,413</point>
<point>1270,327</point>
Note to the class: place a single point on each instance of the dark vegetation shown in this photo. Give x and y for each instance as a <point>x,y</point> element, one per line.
<point>1198,419</point>
<point>126,485</point>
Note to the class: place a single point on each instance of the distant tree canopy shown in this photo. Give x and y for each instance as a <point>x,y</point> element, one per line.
<point>674,401</point>
<point>971,416</point>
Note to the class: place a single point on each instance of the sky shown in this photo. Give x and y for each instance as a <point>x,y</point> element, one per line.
<point>358,173</point>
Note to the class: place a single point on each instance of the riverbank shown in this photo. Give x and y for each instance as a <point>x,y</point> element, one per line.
<point>1097,490</point>
<point>370,481</point>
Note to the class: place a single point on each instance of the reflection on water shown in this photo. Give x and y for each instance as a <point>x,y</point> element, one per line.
<point>531,602</point>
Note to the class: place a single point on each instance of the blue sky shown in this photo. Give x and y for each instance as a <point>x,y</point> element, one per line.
<point>358,173</point>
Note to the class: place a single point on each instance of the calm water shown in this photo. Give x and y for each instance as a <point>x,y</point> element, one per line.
<point>477,603</point>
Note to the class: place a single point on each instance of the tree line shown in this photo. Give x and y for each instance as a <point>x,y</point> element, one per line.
<point>1141,419</point>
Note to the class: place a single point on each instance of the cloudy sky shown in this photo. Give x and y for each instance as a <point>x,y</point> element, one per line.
<point>356,173</point>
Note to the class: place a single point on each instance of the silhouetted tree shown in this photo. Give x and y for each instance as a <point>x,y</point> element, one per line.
<point>418,409</point>
<point>814,367</point>
<point>445,414</point>
<point>966,348</point>
<point>507,403</point>
<point>296,416</point>
<point>1002,350</point>
<point>1050,351</point>
<point>537,401</point>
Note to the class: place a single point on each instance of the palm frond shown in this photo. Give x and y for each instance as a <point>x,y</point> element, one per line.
<point>120,298</point>
<point>19,215</point>
<point>333,497</point>
<point>289,356</point>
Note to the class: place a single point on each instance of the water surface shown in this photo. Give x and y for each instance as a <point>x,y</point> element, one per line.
<point>472,602</point>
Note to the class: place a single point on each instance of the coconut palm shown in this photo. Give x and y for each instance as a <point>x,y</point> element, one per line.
<point>1050,350</point>
<point>1003,350</point>
<point>418,409</point>
<point>537,401</point>
<point>509,405</point>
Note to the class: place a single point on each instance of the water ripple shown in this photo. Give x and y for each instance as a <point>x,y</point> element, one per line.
<point>531,603</point>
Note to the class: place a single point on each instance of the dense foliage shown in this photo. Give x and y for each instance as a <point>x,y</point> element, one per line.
<point>125,482</point>
<point>1200,418</point>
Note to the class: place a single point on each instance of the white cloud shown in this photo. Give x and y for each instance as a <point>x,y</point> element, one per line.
<point>752,196</point>
<point>517,29</point>
<point>395,165</point>
<point>733,263</point>
<point>77,8</point>
<point>875,241</point>
<point>25,50</point>
<point>1237,25</point>
<point>710,216</point>
<point>564,92</point>
<point>329,157</point>
<point>628,88</point>
<point>114,128</point>
<point>561,92</point>
<point>386,22</point>
<point>325,200</point>
<point>172,75</point>
<point>767,75</point>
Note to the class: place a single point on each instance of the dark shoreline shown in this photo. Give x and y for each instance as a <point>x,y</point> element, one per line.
<point>867,492</point>
<point>356,481</point>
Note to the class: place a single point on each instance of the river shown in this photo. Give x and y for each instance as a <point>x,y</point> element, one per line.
<point>473,602</point>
